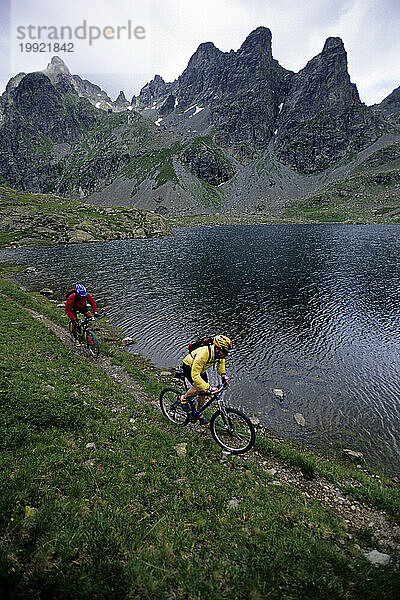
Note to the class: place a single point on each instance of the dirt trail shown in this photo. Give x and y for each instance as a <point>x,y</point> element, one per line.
<point>357,515</point>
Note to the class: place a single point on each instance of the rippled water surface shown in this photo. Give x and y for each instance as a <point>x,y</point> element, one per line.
<point>312,310</point>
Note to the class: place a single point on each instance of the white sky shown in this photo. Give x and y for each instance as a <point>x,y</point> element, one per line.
<point>174,29</point>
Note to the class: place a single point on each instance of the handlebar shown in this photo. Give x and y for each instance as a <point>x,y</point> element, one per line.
<point>219,389</point>
<point>85,321</point>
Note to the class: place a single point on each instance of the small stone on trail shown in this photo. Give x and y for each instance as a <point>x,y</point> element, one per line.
<point>90,445</point>
<point>300,419</point>
<point>278,393</point>
<point>128,341</point>
<point>165,373</point>
<point>233,503</point>
<point>377,558</point>
<point>254,421</point>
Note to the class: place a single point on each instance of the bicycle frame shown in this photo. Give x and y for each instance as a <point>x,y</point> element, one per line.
<point>215,397</point>
<point>230,428</point>
<point>84,324</point>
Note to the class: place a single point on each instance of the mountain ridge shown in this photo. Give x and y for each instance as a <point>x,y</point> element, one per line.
<point>235,131</point>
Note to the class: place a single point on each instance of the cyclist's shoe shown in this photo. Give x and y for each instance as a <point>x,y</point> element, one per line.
<point>185,404</point>
<point>204,421</point>
<point>77,343</point>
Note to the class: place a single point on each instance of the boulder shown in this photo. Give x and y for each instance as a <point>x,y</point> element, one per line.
<point>353,454</point>
<point>46,291</point>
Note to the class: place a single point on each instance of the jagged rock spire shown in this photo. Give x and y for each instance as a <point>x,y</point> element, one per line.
<point>259,40</point>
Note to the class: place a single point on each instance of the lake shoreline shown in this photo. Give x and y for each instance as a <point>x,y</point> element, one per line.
<point>175,223</point>
<point>322,386</point>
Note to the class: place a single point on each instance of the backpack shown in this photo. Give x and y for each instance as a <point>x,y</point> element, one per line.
<point>67,295</point>
<point>198,343</point>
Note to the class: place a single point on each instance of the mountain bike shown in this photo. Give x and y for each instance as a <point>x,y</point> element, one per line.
<point>230,428</point>
<point>86,336</point>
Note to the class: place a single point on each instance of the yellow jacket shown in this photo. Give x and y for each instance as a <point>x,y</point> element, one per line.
<point>200,360</point>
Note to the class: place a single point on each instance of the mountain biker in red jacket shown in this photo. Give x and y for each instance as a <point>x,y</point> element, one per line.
<point>79,301</point>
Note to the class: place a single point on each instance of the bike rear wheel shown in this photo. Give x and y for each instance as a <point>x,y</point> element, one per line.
<point>92,343</point>
<point>233,431</point>
<point>171,408</point>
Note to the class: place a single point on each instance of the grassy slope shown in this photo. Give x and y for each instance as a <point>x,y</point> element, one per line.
<point>130,518</point>
<point>370,194</point>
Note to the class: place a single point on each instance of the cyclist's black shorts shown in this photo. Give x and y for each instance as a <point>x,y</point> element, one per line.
<point>82,311</point>
<point>188,373</point>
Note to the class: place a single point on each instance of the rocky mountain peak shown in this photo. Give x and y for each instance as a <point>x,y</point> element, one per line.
<point>57,61</point>
<point>322,117</point>
<point>325,80</point>
<point>121,103</point>
<point>56,67</point>
<point>391,104</point>
<point>205,53</point>
<point>14,82</point>
<point>333,44</point>
<point>121,97</point>
<point>257,41</point>
<point>151,92</point>
<point>158,79</point>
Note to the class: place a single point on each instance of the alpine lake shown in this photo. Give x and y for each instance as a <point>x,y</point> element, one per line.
<point>313,312</point>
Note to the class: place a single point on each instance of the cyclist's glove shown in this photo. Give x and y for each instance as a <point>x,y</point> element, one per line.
<point>212,389</point>
<point>225,380</point>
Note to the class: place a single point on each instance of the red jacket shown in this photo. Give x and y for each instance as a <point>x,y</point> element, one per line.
<point>76,303</point>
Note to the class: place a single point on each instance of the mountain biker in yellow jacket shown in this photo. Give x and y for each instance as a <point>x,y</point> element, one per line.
<point>195,365</point>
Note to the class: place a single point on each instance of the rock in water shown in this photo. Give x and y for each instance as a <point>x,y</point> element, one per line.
<point>46,292</point>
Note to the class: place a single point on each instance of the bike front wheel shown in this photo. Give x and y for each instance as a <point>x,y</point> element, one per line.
<point>92,343</point>
<point>79,332</point>
<point>70,330</point>
<point>232,430</point>
<point>171,407</point>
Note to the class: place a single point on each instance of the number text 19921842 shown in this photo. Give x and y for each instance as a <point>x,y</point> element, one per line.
<point>49,47</point>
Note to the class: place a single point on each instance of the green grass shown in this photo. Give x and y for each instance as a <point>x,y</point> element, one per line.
<point>326,213</point>
<point>129,518</point>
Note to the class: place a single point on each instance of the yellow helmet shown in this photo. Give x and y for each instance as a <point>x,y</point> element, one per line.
<point>223,342</point>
